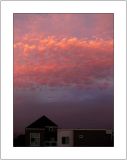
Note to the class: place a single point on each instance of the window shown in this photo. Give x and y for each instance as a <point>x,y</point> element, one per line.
<point>65,140</point>
<point>51,129</point>
<point>34,139</point>
<point>108,131</point>
<point>81,136</point>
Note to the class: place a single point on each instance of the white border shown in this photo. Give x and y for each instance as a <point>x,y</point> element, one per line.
<point>119,10</point>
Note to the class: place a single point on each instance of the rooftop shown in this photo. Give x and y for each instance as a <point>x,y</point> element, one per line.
<point>42,122</point>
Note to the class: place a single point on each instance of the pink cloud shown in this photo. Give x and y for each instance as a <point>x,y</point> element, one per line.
<point>40,60</point>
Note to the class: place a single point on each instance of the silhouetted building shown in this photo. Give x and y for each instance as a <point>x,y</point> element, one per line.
<point>44,132</point>
<point>65,138</point>
<point>84,138</point>
<point>93,138</point>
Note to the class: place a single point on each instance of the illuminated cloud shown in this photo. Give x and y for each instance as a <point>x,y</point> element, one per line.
<point>58,61</point>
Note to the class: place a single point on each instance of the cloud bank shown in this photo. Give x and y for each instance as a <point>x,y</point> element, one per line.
<point>57,61</point>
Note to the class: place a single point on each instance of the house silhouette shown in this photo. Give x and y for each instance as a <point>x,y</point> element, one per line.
<point>44,132</point>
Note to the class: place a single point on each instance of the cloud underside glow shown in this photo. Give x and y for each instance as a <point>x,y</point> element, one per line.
<point>56,61</point>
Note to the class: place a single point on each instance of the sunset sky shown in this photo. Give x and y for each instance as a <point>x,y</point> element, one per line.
<point>63,68</point>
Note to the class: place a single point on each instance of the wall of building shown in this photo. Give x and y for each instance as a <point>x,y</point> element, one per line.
<point>72,137</point>
<point>92,138</point>
<point>62,134</point>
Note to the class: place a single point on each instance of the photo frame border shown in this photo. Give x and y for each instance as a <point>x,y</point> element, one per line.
<point>7,149</point>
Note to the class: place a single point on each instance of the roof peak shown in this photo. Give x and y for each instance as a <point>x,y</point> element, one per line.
<point>42,122</point>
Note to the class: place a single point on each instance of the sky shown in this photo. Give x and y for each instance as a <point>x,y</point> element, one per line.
<point>63,69</point>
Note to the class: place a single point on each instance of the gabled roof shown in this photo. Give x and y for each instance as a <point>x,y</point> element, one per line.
<point>42,122</point>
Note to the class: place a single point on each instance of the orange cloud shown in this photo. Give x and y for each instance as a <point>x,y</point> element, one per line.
<point>40,60</point>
